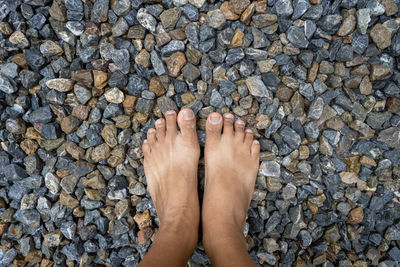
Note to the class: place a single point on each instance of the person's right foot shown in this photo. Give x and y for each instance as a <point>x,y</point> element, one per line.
<point>231,166</point>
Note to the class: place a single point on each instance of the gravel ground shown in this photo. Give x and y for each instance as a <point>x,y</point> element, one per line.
<point>82,81</point>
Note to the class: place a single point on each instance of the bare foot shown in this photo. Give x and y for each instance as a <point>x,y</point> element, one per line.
<point>171,157</point>
<point>231,166</point>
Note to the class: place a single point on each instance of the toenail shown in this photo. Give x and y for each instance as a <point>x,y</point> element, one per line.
<point>249,131</point>
<point>256,142</point>
<point>240,122</point>
<point>228,116</point>
<point>159,122</point>
<point>170,112</point>
<point>151,130</point>
<point>215,119</point>
<point>145,141</point>
<point>187,115</point>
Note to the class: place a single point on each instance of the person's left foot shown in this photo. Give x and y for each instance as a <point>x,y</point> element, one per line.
<point>171,158</point>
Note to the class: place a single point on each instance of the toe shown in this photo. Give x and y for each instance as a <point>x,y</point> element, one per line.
<point>146,148</point>
<point>255,149</point>
<point>228,124</point>
<point>170,117</point>
<point>239,130</point>
<point>248,137</point>
<point>213,127</point>
<point>160,129</point>
<point>151,136</point>
<point>187,123</point>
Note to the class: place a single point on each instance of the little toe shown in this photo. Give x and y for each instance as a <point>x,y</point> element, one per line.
<point>248,137</point>
<point>213,127</point>
<point>146,148</point>
<point>151,136</point>
<point>255,149</point>
<point>187,123</point>
<point>160,128</point>
<point>170,117</point>
<point>228,124</point>
<point>239,130</point>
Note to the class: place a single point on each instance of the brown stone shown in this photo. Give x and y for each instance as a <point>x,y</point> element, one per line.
<point>60,84</point>
<point>238,6</point>
<point>83,77</point>
<point>261,6</point>
<point>348,25</point>
<point>156,86</point>
<point>34,256</point>
<point>228,14</point>
<point>143,220</point>
<point>75,151</point>
<point>163,38</point>
<point>68,200</point>
<point>187,98</point>
<point>381,36</point>
<point>367,161</point>
<point>193,56</point>
<point>81,111</point>
<point>136,32</point>
<point>247,14</point>
<point>237,40</point>
<point>284,93</point>
<point>177,34</point>
<point>390,7</point>
<point>273,184</point>
<point>353,164</point>
<point>143,58</point>
<point>275,48</point>
<point>312,72</point>
<point>94,180</point>
<point>58,11</point>
<point>5,28</point>
<point>100,79</point>
<point>69,124</point>
<point>114,95</point>
<point>29,146</point>
<point>19,39</point>
<point>145,234</point>
<point>175,63</point>
<point>129,104</point>
<point>365,86</point>
<point>379,72</point>
<point>356,216</point>
<point>393,105</point>
<point>93,194</point>
<point>52,239</point>
<point>348,177</point>
<point>19,59</point>
<point>109,134</point>
<point>335,123</point>
<point>100,152</point>
<point>122,121</point>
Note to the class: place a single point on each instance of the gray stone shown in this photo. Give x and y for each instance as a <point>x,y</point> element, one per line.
<point>297,37</point>
<point>290,137</point>
<point>6,86</point>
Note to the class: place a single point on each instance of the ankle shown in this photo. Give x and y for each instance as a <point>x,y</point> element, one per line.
<point>182,226</point>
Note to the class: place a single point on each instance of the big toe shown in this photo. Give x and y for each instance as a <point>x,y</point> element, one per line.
<point>213,127</point>
<point>187,123</point>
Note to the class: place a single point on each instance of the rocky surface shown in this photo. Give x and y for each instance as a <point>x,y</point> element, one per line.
<point>82,81</point>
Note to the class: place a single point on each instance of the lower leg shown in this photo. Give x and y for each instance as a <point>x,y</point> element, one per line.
<point>227,247</point>
<point>174,243</point>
